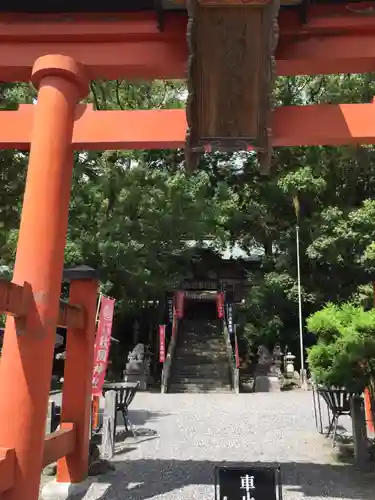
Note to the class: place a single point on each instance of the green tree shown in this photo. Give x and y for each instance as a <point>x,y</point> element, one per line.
<point>345,352</point>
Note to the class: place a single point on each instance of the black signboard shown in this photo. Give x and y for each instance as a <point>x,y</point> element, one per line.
<point>202,285</point>
<point>248,483</point>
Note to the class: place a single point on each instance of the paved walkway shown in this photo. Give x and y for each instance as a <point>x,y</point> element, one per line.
<point>185,435</point>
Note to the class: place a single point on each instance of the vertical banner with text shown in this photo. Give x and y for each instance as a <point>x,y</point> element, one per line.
<point>180,299</point>
<point>102,344</point>
<point>220,304</point>
<point>162,343</point>
<point>170,307</point>
<point>174,323</point>
<point>236,352</point>
<point>230,319</point>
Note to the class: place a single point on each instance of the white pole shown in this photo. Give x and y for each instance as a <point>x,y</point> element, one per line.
<point>303,374</point>
<point>98,308</point>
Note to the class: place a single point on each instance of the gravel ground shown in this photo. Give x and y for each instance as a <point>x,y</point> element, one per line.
<point>182,437</point>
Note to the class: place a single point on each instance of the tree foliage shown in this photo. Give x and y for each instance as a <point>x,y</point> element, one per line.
<point>344,355</point>
<point>133,211</point>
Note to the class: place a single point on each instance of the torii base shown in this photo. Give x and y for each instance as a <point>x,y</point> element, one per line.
<point>66,491</point>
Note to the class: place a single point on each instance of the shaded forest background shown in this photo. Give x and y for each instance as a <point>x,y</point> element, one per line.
<point>132,212</point>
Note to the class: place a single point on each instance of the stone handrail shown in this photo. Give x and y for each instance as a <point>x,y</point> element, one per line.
<point>235,373</point>
<point>169,358</point>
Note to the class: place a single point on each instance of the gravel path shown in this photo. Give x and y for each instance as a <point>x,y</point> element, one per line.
<point>184,435</point>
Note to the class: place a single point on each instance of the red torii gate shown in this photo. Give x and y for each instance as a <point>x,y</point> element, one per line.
<point>60,58</point>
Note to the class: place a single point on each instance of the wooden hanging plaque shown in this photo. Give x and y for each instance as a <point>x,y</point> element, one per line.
<point>230,76</point>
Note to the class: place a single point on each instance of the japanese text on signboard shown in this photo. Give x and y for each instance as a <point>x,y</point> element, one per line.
<point>247,485</point>
<point>258,483</point>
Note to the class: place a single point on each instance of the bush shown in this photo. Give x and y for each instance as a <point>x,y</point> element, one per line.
<point>344,355</point>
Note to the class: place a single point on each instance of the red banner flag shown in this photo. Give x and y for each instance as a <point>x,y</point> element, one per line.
<point>102,344</point>
<point>236,351</point>
<point>180,298</point>
<point>174,324</point>
<point>162,343</point>
<point>220,304</point>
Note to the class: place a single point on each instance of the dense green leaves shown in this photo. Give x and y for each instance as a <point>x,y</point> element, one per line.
<point>12,178</point>
<point>132,212</point>
<point>344,355</point>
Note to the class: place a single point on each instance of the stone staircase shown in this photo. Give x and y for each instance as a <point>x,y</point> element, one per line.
<point>201,361</point>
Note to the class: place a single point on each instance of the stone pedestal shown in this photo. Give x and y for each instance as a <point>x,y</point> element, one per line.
<point>267,374</point>
<point>138,367</point>
<point>267,383</point>
<point>274,383</point>
<point>261,383</point>
<point>65,491</point>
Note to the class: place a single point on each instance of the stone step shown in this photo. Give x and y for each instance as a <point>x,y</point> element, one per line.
<point>202,379</point>
<point>201,328</point>
<point>202,333</point>
<point>189,354</point>
<point>200,376</point>
<point>178,388</point>
<point>197,360</point>
<point>206,381</point>
<point>201,350</point>
<point>206,348</point>
<point>201,369</point>
<point>196,364</point>
<point>202,382</point>
<point>201,338</point>
<point>200,347</point>
<point>199,321</point>
<point>214,330</point>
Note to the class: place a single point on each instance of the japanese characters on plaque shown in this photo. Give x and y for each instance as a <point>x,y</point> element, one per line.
<point>102,344</point>
<point>200,285</point>
<point>253,483</point>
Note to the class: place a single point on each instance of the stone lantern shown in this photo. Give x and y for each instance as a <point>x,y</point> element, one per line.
<point>289,364</point>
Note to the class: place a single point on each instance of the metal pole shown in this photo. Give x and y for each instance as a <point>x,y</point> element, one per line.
<point>303,374</point>
<point>98,308</point>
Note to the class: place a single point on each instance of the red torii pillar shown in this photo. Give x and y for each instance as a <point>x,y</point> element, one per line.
<point>26,362</point>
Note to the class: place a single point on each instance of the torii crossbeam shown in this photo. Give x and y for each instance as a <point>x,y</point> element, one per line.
<point>323,124</point>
